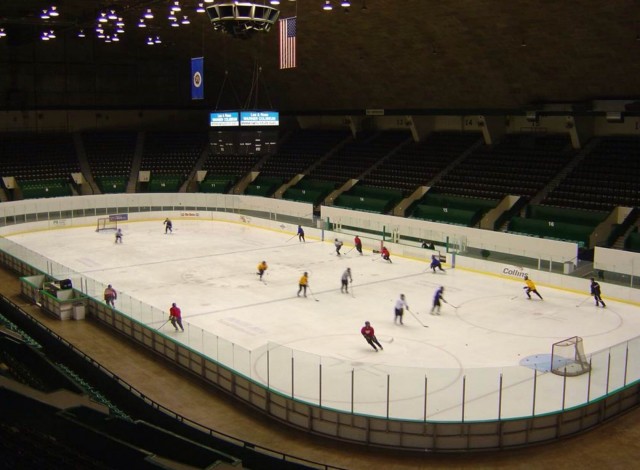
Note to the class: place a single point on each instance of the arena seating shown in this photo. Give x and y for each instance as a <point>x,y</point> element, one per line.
<point>607,177</point>
<point>301,150</point>
<point>110,156</point>
<point>417,163</point>
<point>41,163</point>
<point>521,164</point>
<point>357,156</point>
<point>170,157</point>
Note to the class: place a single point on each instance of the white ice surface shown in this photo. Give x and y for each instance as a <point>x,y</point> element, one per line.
<point>209,269</point>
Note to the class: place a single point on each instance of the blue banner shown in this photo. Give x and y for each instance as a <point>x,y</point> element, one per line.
<point>197,78</point>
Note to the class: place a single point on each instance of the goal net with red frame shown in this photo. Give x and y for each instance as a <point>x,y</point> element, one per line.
<point>568,358</point>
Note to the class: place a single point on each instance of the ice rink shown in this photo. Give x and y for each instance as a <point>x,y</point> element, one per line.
<point>208,268</point>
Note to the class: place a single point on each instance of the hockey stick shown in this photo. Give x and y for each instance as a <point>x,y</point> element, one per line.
<point>583,301</point>
<point>291,238</point>
<point>349,251</point>
<point>450,304</point>
<point>163,324</point>
<point>417,319</point>
<point>386,339</point>
<point>312,294</point>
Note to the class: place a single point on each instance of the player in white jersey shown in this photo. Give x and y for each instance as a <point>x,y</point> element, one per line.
<point>401,304</point>
<point>346,279</point>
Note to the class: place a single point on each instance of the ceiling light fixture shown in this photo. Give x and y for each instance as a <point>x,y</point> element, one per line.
<point>81,34</point>
<point>185,20</point>
<point>200,8</point>
<point>327,6</point>
<point>141,23</point>
<point>53,11</point>
<point>172,17</point>
<point>148,15</point>
<point>150,41</point>
<point>345,4</point>
<point>157,40</point>
<point>103,18</point>
<point>2,33</point>
<point>176,6</point>
<point>112,15</point>
<point>44,15</point>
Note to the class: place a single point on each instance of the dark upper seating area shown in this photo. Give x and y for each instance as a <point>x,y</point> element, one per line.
<point>38,156</point>
<point>357,156</point>
<point>110,154</point>
<point>521,164</point>
<point>417,163</point>
<point>110,157</point>
<point>301,150</point>
<point>608,176</point>
<point>173,153</point>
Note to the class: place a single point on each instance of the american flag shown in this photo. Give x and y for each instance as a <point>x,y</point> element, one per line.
<point>287,42</point>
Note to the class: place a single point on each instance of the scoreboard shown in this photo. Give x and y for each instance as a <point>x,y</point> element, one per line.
<point>253,132</point>
<point>255,142</point>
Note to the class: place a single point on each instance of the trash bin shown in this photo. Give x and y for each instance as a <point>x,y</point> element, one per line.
<point>78,311</point>
<point>569,267</point>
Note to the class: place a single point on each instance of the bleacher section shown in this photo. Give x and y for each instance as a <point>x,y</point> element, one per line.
<point>170,157</point>
<point>41,163</point>
<point>451,209</point>
<point>607,177</point>
<point>223,171</point>
<point>309,190</point>
<point>417,163</point>
<point>369,198</point>
<point>301,150</point>
<point>357,156</point>
<point>264,186</point>
<point>110,156</point>
<point>521,164</point>
<point>559,223</point>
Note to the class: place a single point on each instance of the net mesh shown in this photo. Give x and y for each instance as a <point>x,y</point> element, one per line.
<point>568,358</point>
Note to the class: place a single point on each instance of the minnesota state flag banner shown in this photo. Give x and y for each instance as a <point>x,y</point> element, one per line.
<point>197,78</point>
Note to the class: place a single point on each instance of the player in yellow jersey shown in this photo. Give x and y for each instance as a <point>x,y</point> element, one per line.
<point>262,267</point>
<point>530,287</point>
<point>303,283</point>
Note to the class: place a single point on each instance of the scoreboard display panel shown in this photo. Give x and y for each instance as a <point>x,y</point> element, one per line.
<point>257,142</point>
<point>224,119</point>
<point>259,118</point>
<point>239,142</point>
<point>249,132</point>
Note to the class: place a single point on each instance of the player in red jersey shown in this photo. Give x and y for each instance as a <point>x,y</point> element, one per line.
<point>370,335</point>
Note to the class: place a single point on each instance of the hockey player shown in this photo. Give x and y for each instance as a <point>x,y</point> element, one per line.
<point>303,283</point>
<point>595,291</point>
<point>437,298</point>
<point>345,280</point>
<point>175,316</point>
<point>110,295</point>
<point>301,234</point>
<point>435,263</point>
<point>119,236</point>
<point>168,226</point>
<point>358,244</point>
<point>399,307</point>
<point>370,335</point>
<point>385,254</point>
<point>530,287</point>
<point>262,267</point>
<point>338,245</point>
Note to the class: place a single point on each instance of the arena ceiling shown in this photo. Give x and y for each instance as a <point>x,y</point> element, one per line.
<point>413,54</point>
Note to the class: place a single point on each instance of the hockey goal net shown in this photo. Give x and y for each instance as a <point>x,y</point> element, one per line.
<point>568,358</point>
<point>104,223</point>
